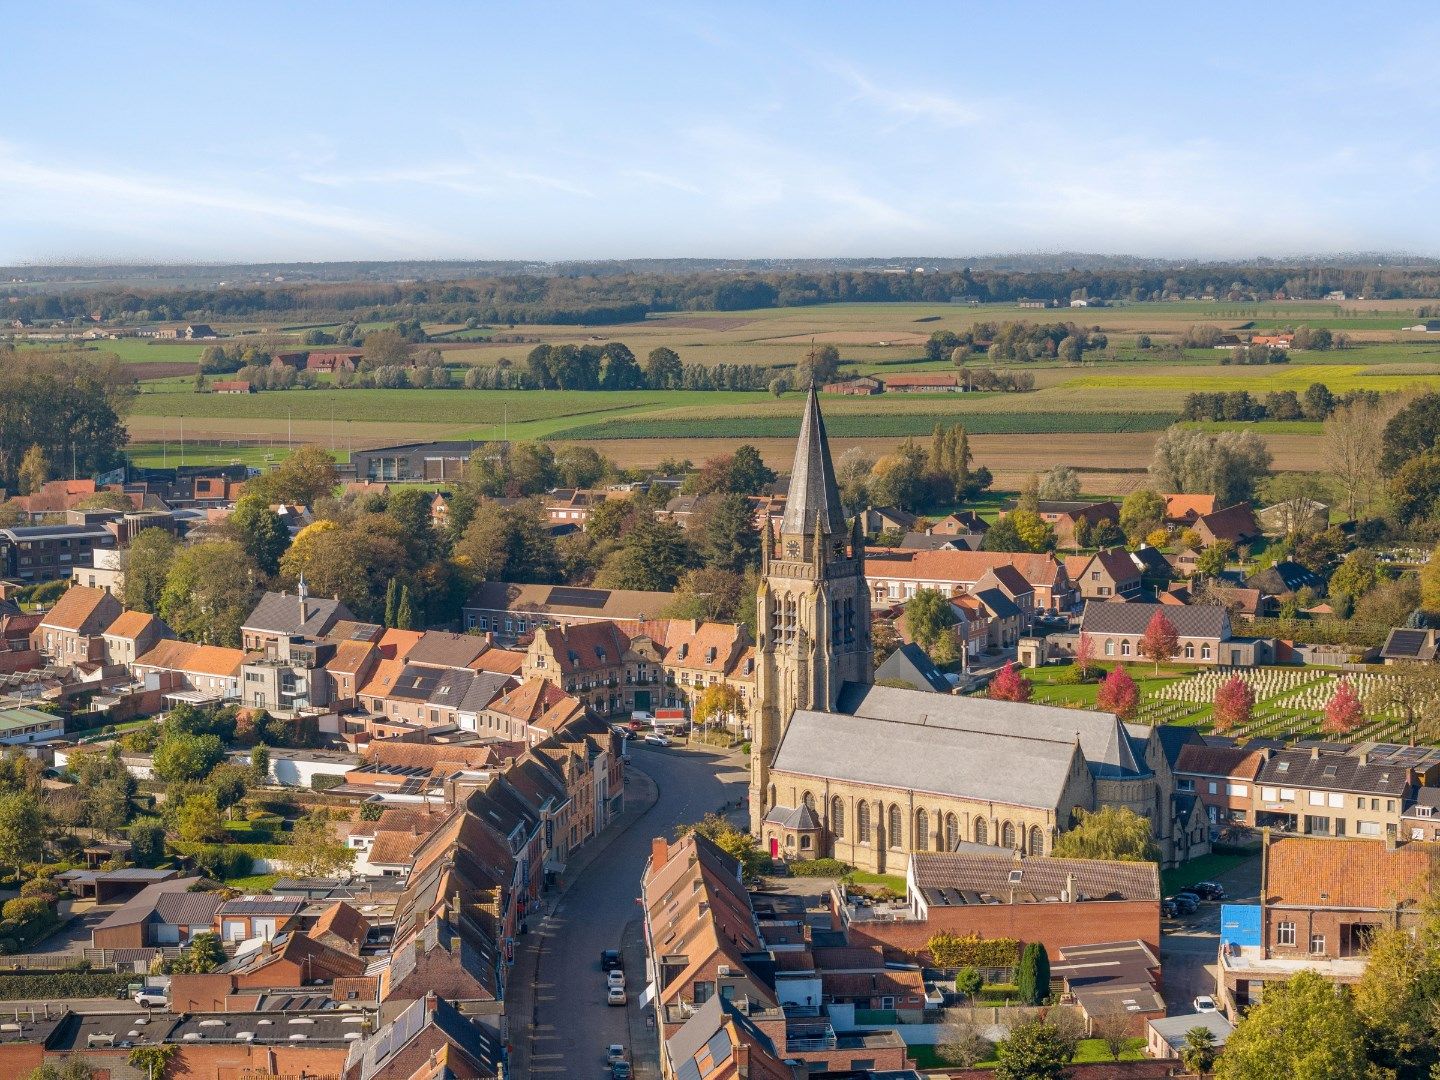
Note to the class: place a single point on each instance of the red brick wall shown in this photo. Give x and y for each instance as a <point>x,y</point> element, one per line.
<point>199,993</point>
<point>21,1059</point>
<point>1054,925</point>
<point>881,1058</point>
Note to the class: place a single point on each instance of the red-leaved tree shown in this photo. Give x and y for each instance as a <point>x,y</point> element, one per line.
<point>1160,641</point>
<point>1084,655</point>
<point>1344,711</point>
<point>1118,693</point>
<point>1234,702</point>
<point>1009,685</point>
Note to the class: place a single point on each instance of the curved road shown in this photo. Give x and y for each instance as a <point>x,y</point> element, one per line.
<point>575,1025</point>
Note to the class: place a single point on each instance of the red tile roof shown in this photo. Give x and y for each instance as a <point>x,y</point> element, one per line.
<point>1319,872</point>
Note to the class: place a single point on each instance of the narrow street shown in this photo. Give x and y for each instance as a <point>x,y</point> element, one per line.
<point>1190,945</point>
<point>575,1025</point>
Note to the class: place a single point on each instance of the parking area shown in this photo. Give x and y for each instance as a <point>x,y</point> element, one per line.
<point>1189,944</point>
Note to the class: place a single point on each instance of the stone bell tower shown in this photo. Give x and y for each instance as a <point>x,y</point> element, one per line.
<point>813,610</point>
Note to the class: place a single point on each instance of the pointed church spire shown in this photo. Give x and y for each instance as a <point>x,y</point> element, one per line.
<point>813,499</point>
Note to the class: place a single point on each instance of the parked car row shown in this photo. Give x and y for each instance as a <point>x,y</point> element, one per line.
<point>613,965</point>
<point>1188,901</point>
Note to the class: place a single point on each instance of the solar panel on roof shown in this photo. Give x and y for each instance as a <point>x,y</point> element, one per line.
<point>575,597</point>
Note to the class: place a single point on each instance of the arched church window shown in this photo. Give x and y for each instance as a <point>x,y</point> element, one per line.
<point>1037,840</point>
<point>837,818</point>
<point>922,831</point>
<point>808,800</point>
<point>952,832</point>
<point>980,833</point>
<point>862,821</point>
<point>1007,836</point>
<point>896,829</point>
<point>849,620</point>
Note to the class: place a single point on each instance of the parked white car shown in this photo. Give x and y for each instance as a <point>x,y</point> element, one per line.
<point>615,979</point>
<point>1204,1004</point>
<point>150,999</point>
<point>656,739</point>
<point>616,996</point>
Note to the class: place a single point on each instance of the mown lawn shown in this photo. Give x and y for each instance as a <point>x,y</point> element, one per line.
<point>895,882</point>
<point>1090,1050</point>
<point>1205,868</point>
<point>253,883</point>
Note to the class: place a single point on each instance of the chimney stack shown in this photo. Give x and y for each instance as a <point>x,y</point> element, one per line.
<point>659,852</point>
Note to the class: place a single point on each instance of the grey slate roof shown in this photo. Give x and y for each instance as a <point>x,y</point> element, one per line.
<point>1284,577</point>
<point>930,752</point>
<point>148,900</point>
<point>1000,604</point>
<point>910,664</point>
<point>918,541</point>
<point>484,687</point>
<point>1108,746</point>
<point>813,493</point>
<point>1115,617</point>
<point>1332,772</point>
<point>1038,878</point>
<point>279,613</point>
<point>439,648</point>
<point>792,817</point>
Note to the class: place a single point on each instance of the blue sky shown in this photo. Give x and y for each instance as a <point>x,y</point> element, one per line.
<point>199,131</point>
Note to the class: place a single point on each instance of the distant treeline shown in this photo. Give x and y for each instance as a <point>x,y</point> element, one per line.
<point>1315,403</point>
<point>598,299</point>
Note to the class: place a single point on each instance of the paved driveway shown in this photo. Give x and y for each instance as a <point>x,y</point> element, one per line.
<point>575,1025</point>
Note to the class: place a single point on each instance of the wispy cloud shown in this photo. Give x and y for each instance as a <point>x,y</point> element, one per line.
<point>83,193</point>
<point>932,105</point>
<point>658,179</point>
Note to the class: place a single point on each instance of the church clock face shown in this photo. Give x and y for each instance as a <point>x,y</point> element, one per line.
<point>792,549</point>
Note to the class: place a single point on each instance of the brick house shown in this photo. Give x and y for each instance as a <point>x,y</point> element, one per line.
<point>897,574</point>
<point>1223,779</point>
<point>1064,516</point>
<point>1115,630</point>
<point>1185,510</point>
<point>1321,900</point>
<point>72,631</point>
<point>1106,575</point>
<point>132,635</point>
<point>700,930</point>
<point>861,386</point>
<point>572,506</point>
<point>1234,524</point>
<point>333,360</point>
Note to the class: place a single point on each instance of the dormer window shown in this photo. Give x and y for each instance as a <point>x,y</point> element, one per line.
<point>710,655</point>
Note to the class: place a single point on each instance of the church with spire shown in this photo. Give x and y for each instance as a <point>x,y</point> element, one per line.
<point>813,610</point>
<point>842,768</point>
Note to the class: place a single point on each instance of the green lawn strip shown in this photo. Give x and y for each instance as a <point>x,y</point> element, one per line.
<point>896,882</point>
<point>253,883</point>
<point>132,350</point>
<point>875,425</point>
<point>1205,868</point>
<point>1090,1050</point>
